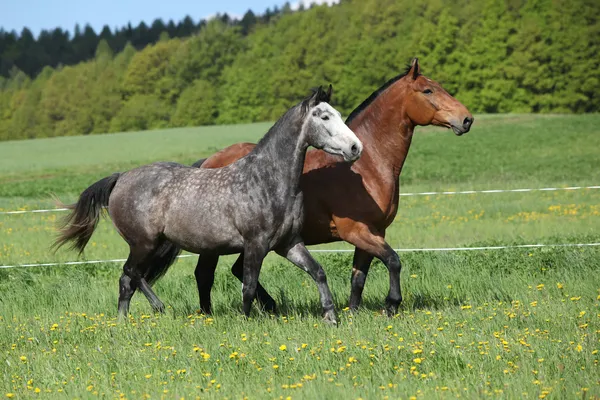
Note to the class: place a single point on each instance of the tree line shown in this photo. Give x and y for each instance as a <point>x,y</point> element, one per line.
<point>493,55</point>
<point>57,47</point>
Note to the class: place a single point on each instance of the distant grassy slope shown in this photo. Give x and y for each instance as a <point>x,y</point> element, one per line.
<point>506,150</point>
<point>33,168</point>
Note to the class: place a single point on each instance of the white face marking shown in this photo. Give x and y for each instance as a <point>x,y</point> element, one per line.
<point>332,134</point>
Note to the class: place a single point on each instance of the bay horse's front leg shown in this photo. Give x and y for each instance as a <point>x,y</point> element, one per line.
<point>360,269</point>
<point>262,296</point>
<point>299,255</point>
<point>368,240</point>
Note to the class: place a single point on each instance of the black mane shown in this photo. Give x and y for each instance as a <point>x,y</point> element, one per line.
<point>375,94</point>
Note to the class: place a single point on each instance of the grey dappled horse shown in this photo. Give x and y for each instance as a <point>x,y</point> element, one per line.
<point>253,205</point>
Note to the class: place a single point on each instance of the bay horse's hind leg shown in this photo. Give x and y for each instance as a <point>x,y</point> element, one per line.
<point>205,277</point>
<point>262,296</point>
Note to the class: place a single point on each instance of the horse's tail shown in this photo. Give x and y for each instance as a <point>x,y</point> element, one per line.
<point>79,225</point>
<point>160,262</point>
<point>199,163</point>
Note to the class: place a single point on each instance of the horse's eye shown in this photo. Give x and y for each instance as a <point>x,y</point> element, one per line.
<point>427,91</point>
<point>325,117</point>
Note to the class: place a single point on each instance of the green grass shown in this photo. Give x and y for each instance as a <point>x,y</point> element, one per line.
<point>472,324</point>
<point>511,323</point>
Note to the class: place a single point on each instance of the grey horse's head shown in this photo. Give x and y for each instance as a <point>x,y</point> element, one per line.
<point>324,128</point>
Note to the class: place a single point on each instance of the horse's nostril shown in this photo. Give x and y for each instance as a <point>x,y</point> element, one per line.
<point>354,149</point>
<point>467,122</point>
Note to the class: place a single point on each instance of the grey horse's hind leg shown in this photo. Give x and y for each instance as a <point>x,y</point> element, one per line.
<point>299,255</point>
<point>126,290</point>
<point>205,277</point>
<point>155,302</point>
<point>132,279</point>
<point>262,296</point>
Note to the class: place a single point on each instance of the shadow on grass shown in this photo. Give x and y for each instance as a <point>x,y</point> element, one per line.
<point>294,307</point>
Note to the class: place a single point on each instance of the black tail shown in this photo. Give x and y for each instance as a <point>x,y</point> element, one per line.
<point>198,163</point>
<point>79,225</point>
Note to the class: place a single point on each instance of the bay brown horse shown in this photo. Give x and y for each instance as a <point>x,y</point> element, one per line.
<point>357,202</point>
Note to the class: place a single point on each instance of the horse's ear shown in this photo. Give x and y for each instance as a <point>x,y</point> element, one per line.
<point>415,69</point>
<point>317,96</point>
<point>329,92</point>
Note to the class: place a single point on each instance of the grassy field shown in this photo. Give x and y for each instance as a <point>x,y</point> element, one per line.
<point>509,323</point>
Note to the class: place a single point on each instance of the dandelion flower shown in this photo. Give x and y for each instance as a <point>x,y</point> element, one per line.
<point>283,347</point>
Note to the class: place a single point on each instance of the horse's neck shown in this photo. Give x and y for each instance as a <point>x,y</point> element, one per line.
<point>386,133</point>
<point>280,157</point>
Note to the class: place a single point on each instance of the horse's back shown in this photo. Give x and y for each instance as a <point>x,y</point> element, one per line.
<point>228,155</point>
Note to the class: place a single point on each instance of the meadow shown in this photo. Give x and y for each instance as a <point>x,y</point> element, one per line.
<point>503,323</point>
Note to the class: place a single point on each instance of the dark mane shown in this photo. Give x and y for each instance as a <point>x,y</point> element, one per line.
<point>375,94</point>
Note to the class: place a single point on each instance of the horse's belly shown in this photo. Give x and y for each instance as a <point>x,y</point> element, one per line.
<point>197,232</point>
<point>203,240</point>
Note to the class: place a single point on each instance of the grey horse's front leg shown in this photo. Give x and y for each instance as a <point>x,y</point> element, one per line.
<point>262,296</point>
<point>253,259</point>
<point>299,255</point>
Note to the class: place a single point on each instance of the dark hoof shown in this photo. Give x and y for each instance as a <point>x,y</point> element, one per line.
<point>206,311</point>
<point>159,310</point>
<point>391,310</point>
<point>354,307</point>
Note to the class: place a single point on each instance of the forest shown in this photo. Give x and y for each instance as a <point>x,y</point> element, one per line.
<point>495,56</point>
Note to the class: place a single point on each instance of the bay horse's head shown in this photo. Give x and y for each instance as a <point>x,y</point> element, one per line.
<point>427,103</point>
<point>325,129</point>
